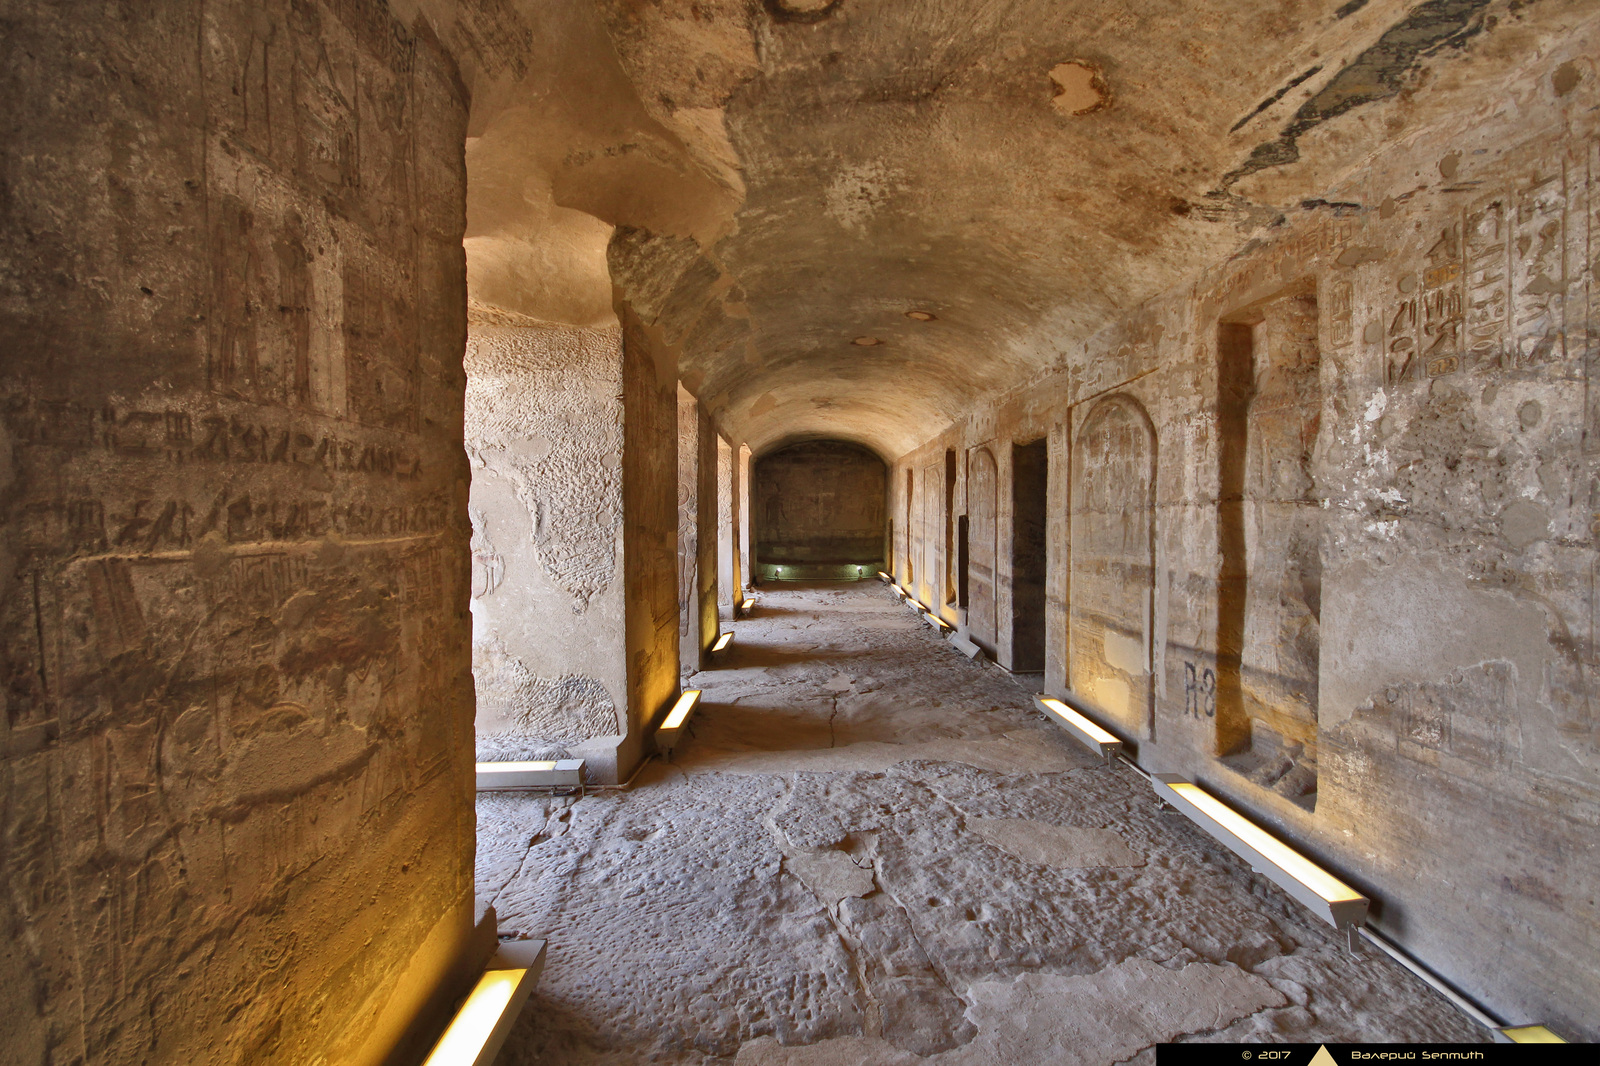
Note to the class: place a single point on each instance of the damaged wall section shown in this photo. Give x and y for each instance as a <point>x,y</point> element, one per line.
<point>544,434</point>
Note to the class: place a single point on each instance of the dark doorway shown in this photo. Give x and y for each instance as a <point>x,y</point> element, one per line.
<point>961,562</point>
<point>1030,479</point>
<point>950,560</point>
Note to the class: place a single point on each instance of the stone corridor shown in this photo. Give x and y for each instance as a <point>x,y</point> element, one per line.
<point>873,851</point>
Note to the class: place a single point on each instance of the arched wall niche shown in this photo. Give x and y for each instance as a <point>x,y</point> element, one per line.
<point>983,505</point>
<point>1112,543</point>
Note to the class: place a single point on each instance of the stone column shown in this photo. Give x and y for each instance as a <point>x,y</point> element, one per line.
<point>729,584</point>
<point>650,536</point>
<point>697,534</point>
<point>233,563</point>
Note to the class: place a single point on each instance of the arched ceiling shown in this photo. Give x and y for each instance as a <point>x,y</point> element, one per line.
<point>791,178</point>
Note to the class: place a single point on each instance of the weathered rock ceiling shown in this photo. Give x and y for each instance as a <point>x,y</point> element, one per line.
<point>796,176</point>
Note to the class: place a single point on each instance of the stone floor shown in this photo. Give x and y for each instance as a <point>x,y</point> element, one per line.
<point>873,851</point>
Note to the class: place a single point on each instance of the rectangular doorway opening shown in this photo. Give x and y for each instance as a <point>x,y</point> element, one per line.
<point>1030,481</point>
<point>961,561</point>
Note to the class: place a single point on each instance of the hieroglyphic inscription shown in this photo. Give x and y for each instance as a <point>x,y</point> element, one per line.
<point>1341,310</point>
<point>1538,276</point>
<point>1327,237</point>
<point>261,580</point>
<point>313,298</point>
<point>179,437</point>
<point>1424,321</point>
<point>1485,298</point>
<point>1491,289</point>
<point>1442,305</point>
<point>151,524</point>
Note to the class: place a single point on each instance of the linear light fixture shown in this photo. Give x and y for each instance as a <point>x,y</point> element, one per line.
<point>885,577</point>
<point>1526,1034</point>
<point>747,604</point>
<point>672,726</point>
<point>481,1026</point>
<point>541,773</point>
<point>1084,730</point>
<point>938,623</point>
<point>1324,894</point>
<point>722,641</point>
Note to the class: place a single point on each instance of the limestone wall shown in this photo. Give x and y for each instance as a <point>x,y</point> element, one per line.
<point>650,528</point>
<point>707,624</point>
<point>697,532</point>
<point>233,566</point>
<point>544,432</point>
<point>1321,534</point>
<point>729,579</point>
<point>819,502</point>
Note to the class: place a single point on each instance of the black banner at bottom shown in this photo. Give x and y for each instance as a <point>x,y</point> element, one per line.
<point>1374,1054</point>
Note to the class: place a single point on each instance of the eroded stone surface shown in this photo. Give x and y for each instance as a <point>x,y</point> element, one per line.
<point>1051,845</point>
<point>797,911</point>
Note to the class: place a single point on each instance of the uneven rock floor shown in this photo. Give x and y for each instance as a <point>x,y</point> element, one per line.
<point>874,851</point>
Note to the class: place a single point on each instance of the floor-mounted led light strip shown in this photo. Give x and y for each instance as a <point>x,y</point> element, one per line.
<point>1324,894</point>
<point>1084,730</point>
<point>677,718</point>
<point>542,773</point>
<point>722,642</point>
<point>1527,1034</point>
<point>747,604</point>
<point>1320,891</point>
<point>480,1027</point>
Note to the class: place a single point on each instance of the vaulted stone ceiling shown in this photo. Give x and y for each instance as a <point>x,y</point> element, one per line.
<point>855,217</point>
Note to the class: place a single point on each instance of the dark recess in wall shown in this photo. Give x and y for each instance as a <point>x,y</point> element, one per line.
<point>1029,487</point>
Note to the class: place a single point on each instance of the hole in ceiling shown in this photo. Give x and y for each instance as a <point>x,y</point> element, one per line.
<point>866,342</point>
<point>922,316</point>
<point>1079,88</point>
<point>801,10</point>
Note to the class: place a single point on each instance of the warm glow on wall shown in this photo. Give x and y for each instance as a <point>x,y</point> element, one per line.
<point>471,1038</point>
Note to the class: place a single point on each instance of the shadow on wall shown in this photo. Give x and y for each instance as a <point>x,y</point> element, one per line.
<point>819,512</point>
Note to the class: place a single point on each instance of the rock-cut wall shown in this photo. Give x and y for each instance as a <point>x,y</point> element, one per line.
<point>1321,534</point>
<point>235,700</point>
<point>544,434</point>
